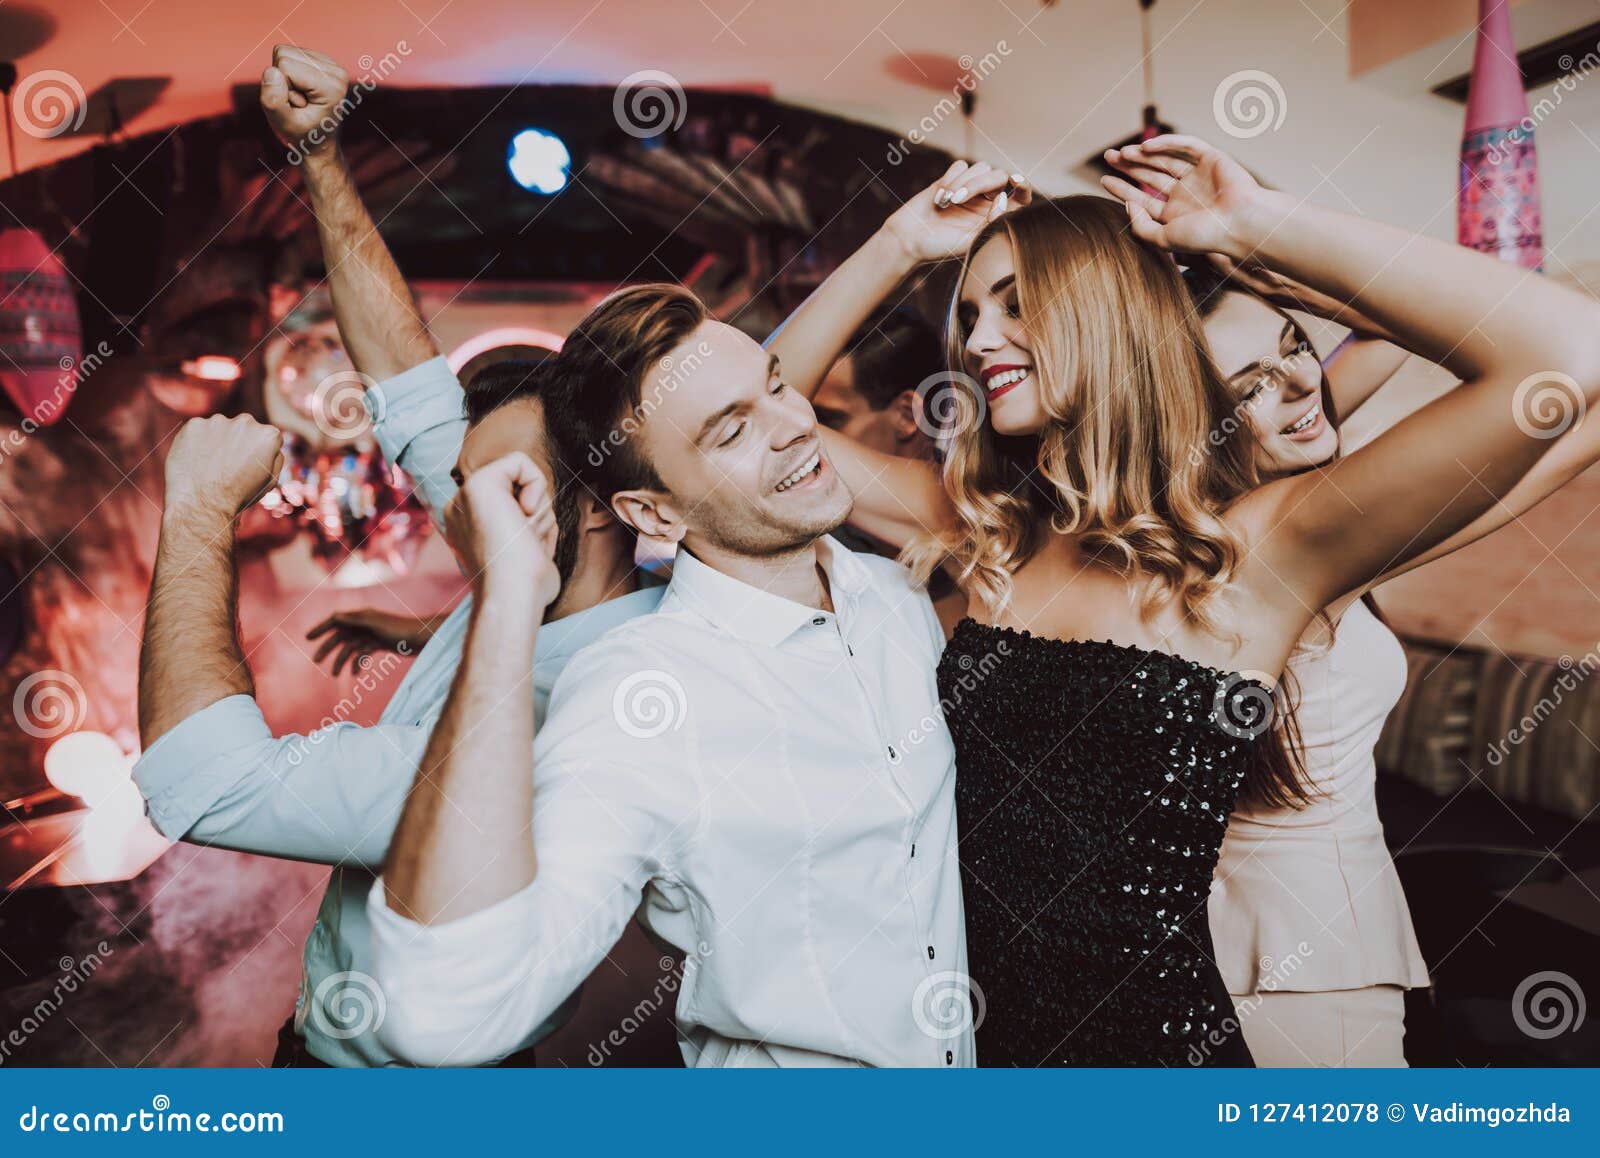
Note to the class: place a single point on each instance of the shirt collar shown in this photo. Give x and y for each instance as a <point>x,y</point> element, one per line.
<point>757,615</point>
<point>560,638</point>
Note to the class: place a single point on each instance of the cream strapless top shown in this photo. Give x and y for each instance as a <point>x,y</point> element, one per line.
<point>1307,900</point>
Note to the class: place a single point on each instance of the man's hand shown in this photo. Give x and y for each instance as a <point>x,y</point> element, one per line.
<point>942,220</point>
<point>301,93</point>
<point>222,465</point>
<point>351,636</point>
<point>504,524</point>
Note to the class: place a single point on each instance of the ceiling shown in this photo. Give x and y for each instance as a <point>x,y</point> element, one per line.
<point>1058,84</point>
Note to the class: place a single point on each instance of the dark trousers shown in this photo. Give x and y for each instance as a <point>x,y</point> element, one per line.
<point>292,1053</point>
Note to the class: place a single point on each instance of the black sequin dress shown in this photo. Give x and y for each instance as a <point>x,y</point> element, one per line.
<point>1093,786</point>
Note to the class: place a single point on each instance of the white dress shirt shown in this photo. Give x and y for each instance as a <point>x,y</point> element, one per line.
<point>221,778</point>
<point>776,784</point>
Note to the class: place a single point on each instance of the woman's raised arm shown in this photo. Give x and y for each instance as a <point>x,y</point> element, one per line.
<point>1514,338</point>
<point>938,223</point>
<point>896,499</point>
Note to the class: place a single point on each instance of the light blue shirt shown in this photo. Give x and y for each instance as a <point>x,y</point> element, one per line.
<point>334,796</point>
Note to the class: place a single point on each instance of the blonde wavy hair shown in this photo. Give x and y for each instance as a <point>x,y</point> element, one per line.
<point>1139,456</point>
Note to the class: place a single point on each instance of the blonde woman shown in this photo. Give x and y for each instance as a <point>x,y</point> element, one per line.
<point>1133,600</point>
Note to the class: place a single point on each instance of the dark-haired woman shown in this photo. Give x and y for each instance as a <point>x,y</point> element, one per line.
<point>1312,930</point>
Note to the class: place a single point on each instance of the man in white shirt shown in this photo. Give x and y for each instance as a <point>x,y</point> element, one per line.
<point>212,772</point>
<point>760,768</point>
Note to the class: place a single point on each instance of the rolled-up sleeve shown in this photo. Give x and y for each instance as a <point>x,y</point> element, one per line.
<point>611,814</point>
<point>419,420</point>
<point>333,796</point>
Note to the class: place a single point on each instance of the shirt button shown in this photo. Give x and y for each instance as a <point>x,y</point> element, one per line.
<point>820,620</point>
<point>894,757</point>
<point>949,1057</point>
<point>930,952</point>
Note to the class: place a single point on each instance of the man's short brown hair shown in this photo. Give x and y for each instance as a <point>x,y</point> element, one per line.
<point>599,402</point>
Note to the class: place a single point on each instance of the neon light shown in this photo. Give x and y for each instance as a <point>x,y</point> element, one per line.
<point>503,336</point>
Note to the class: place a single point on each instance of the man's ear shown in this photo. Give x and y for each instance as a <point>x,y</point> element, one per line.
<point>906,414</point>
<point>594,514</point>
<point>651,513</point>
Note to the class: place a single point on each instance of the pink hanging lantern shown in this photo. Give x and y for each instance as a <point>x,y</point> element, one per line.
<point>1499,199</point>
<point>41,340</point>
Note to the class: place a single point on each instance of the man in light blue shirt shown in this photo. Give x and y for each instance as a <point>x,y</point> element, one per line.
<point>212,772</point>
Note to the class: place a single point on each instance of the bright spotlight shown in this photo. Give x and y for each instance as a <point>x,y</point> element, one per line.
<point>89,765</point>
<point>538,161</point>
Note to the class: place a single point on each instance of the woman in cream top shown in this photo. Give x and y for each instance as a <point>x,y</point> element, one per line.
<point>1312,933</point>
<point>1311,930</point>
